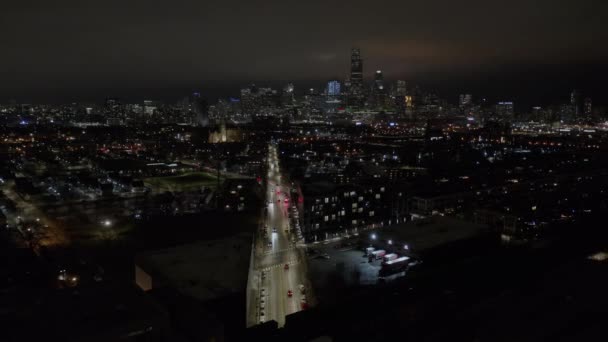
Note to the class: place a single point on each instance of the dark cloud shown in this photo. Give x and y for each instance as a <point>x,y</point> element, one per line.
<point>73,45</point>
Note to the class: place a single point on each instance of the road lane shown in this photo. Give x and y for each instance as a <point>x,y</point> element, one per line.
<point>272,259</point>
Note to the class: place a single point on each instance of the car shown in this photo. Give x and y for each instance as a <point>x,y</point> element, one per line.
<point>289,293</point>
<point>304,305</point>
<point>263,275</point>
<point>269,243</point>
<point>286,266</point>
<point>274,229</point>
<point>263,291</point>
<point>302,288</point>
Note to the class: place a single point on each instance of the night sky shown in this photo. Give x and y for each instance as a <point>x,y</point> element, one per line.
<point>69,49</point>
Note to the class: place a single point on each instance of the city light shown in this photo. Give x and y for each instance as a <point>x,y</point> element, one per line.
<point>360,154</point>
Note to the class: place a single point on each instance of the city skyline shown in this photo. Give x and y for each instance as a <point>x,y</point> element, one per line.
<point>74,51</point>
<point>303,171</point>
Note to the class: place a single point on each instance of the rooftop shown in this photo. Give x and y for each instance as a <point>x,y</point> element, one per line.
<point>431,232</point>
<point>199,269</point>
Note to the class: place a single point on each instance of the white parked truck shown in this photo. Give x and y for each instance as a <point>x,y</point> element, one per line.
<point>379,254</point>
<point>398,264</point>
<point>390,257</point>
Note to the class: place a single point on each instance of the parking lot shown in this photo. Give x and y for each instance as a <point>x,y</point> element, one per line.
<point>337,266</point>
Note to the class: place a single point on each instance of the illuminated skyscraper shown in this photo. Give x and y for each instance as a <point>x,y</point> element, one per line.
<point>379,96</point>
<point>378,81</point>
<point>332,97</point>
<point>356,69</point>
<point>355,91</point>
<point>333,88</point>
<point>588,109</point>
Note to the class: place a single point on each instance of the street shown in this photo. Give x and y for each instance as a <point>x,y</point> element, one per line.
<point>280,268</point>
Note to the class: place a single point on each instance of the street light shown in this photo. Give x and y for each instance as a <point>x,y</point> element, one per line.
<point>406,247</point>
<point>390,242</point>
<point>107,223</point>
<point>373,236</point>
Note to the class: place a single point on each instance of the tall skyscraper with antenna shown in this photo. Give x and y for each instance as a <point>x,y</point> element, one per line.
<point>356,94</point>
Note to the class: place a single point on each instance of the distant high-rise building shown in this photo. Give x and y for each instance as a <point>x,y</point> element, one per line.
<point>333,88</point>
<point>401,88</point>
<point>536,114</point>
<point>575,101</point>
<point>247,102</point>
<point>112,102</point>
<point>355,91</point>
<point>356,69</point>
<point>399,94</point>
<point>379,96</point>
<point>588,107</point>
<point>200,109</point>
<point>332,101</point>
<point>262,102</point>
<point>289,88</point>
<point>378,81</point>
<point>566,113</point>
<point>574,97</point>
<point>288,96</point>
<point>149,107</point>
<point>505,111</point>
<point>465,100</point>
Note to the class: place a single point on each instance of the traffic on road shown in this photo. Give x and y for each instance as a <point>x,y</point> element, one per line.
<point>282,272</point>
